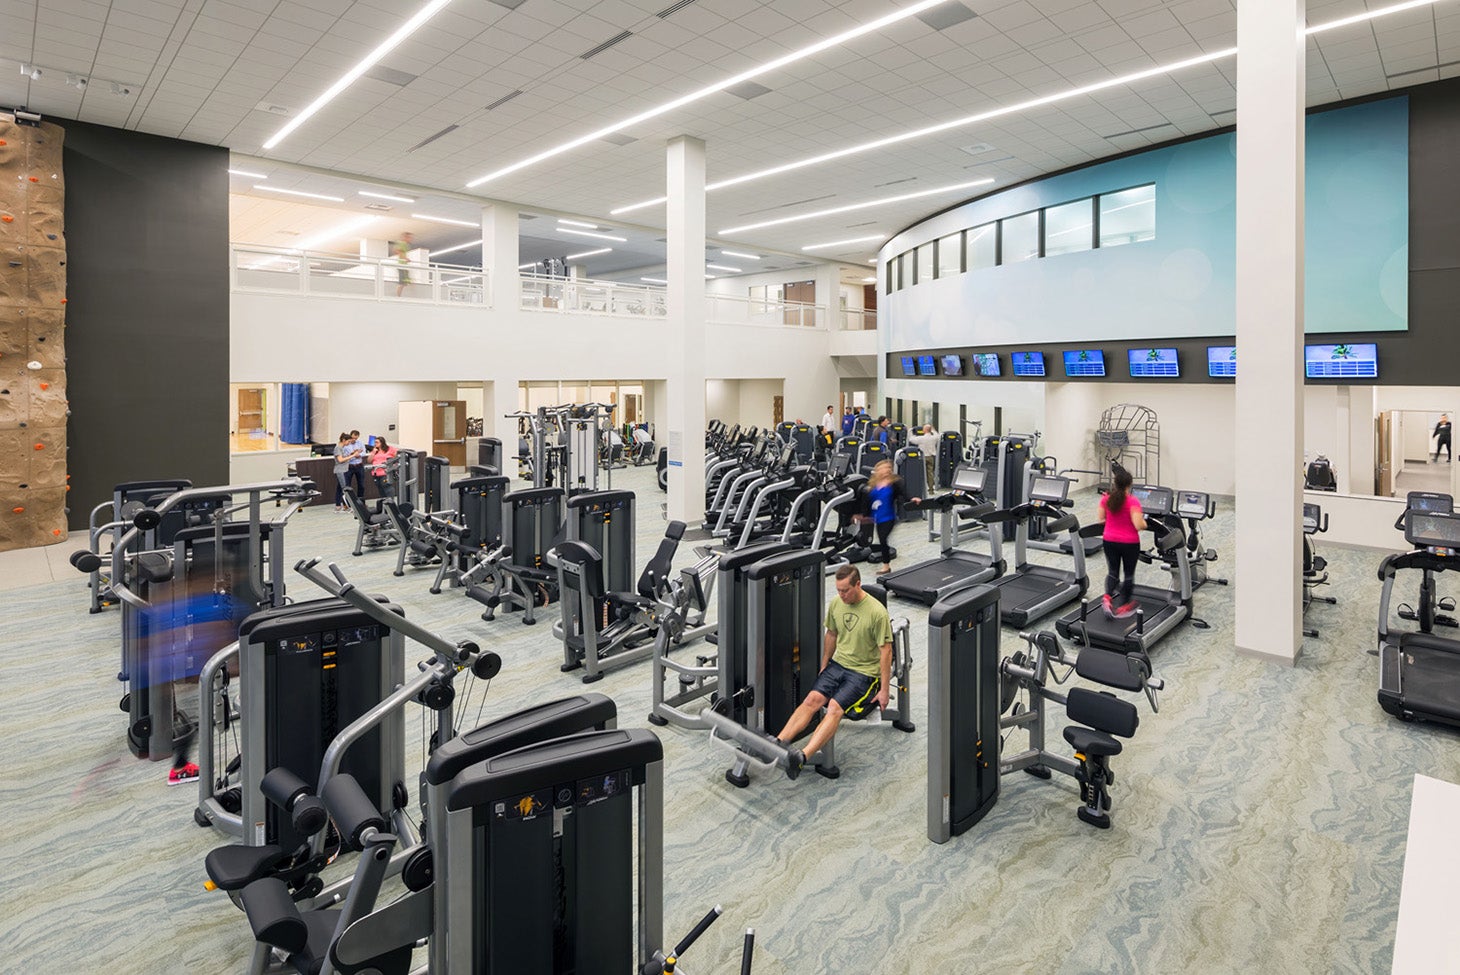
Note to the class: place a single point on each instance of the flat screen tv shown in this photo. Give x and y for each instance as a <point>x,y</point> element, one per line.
<point>1153,363</point>
<point>927,365</point>
<point>952,365</point>
<point>1084,362</point>
<point>986,364</point>
<point>1222,361</point>
<point>1347,360</point>
<point>1028,363</point>
<point>909,366</point>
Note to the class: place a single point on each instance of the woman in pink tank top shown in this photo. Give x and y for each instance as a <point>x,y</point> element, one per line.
<point>1124,521</point>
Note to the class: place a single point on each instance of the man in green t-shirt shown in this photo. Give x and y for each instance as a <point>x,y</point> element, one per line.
<point>856,666</point>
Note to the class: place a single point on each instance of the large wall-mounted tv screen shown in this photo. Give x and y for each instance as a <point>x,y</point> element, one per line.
<point>1149,363</point>
<point>1222,361</point>
<point>1347,360</point>
<point>1084,362</point>
<point>986,364</point>
<point>952,365</point>
<point>1027,363</point>
<point>927,366</point>
<point>909,366</point>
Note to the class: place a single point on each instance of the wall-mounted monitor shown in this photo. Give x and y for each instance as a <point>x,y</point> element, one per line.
<point>1153,363</point>
<point>1084,362</point>
<point>1348,360</point>
<point>952,365</point>
<point>986,364</point>
<point>927,366</point>
<point>1222,361</point>
<point>909,366</point>
<point>1027,363</point>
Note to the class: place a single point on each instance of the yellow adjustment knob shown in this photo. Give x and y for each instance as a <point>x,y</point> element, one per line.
<point>209,885</point>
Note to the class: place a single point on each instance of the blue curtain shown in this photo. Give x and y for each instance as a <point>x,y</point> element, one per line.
<point>294,423</point>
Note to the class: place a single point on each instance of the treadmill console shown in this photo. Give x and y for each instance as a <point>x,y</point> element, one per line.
<point>969,480</point>
<point>1193,504</point>
<point>1429,502</point>
<point>1154,500</point>
<point>1438,532</point>
<point>1049,490</point>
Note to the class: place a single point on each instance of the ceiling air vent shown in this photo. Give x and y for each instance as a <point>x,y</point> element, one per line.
<point>503,100</point>
<point>617,38</point>
<point>432,138</point>
<point>377,206</point>
<point>673,8</point>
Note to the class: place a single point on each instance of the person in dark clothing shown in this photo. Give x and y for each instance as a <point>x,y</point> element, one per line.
<point>1442,438</point>
<point>885,494</point>
<point>1124,521</point>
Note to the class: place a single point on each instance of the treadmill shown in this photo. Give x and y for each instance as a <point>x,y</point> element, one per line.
<point>954,569</point>
<point>1159,611</point>
<point>1029,591</point>
<point>1419,673</point>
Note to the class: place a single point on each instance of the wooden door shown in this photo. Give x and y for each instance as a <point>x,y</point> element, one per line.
<point>448,431</point>
<point>803,293</point>
<point>778,410</point>
<point>1383,463</point>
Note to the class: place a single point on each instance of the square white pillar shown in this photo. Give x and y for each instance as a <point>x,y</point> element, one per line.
<point>685,252</point>
<point>500,257</point>
<point>1269,414</point>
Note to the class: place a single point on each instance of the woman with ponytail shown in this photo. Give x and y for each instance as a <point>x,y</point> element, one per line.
<point>1124,521</point>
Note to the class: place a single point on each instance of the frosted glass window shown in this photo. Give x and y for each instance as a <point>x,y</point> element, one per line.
<point>1020,237</point>
<point>1128,217</point>
<point>926,263</point>
<point>982,245</point>
<point>950,251</point>
<point>1069,227</point>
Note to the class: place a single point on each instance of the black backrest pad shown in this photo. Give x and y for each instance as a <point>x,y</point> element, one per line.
<point>1103,712</point>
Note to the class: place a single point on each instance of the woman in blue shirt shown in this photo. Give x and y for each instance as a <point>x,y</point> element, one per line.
<point>885,494</point>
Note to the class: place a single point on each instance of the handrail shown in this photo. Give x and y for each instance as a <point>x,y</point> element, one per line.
<point>255,267</point>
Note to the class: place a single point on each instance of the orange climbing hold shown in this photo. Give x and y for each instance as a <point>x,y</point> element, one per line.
<point>17,510</point>
<point>56,532</point>
<point>40,446</point>
<point>35,179</point>
<point>6,218</point>
<point>45,386</point>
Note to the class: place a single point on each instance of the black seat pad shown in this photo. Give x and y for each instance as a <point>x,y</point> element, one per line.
<point>1107,667</point>
<point>235,867</point>
<point>321,925</point>
<point>1090,742</point>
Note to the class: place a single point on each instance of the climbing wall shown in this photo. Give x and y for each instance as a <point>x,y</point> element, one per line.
<point>32,336</point>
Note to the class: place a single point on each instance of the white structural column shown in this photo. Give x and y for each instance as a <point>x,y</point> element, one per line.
<point>685,250</point>
<point>499,258</point>
<point>1270,105</point>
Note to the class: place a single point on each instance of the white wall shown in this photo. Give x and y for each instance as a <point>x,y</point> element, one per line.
<point>722,400</point>
<point>756,402</point>
<point>371,408</point>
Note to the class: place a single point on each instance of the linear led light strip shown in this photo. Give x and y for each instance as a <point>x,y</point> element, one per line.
<point>589,233</point>
<point>857,206</point>
<point>593,253</point>
<point>312,196</point>
<point>389,44</point>
<point>458,247</point>
<point>314,240</point>
<point>1023,106</point>
<point>694,96</point>
<point>839,243</point>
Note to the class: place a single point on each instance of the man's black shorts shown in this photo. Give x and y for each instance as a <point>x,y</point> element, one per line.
<point>845,687</point>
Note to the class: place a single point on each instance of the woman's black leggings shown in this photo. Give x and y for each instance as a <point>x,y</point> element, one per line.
<point>884,532</point>
<point>1121,556</point>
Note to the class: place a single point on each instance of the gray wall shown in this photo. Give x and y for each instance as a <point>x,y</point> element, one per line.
<point>1425,355</point>
<point>147,311</point>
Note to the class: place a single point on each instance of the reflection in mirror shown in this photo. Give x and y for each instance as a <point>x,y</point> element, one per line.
<point>1414,452</point>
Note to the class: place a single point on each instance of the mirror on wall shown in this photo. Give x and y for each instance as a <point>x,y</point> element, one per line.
<point>1413,451</point>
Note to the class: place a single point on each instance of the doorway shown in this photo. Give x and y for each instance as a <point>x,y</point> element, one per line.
<point>1409,456</point>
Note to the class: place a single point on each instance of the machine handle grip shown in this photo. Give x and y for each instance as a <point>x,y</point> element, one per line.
<point>698,930</point>
<point>748,952</point>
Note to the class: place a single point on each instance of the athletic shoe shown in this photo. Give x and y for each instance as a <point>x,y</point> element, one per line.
<point>1108,606</point>
<point>795,761</point>
<point>1127,611</point>
<point>180,776</point>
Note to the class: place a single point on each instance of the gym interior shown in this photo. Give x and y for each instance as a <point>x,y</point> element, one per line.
<point>436,435</point>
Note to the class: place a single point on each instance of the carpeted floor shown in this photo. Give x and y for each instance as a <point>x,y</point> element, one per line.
<point>1260,817</point>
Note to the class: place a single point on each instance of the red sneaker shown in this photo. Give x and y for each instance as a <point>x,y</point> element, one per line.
<point>179,776</point>
<point>1127,611</point>
<point>1107,605</point>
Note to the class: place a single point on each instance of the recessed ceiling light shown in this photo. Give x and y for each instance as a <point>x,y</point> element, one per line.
<point>577,223</point>
<point>839,243</point>
<point>1019,107</point>
<point>748,257</point>
<point>601,250</point>
<point>883,201</point>
<point>458,247</point>
<point>312,196</point>
<point>348,78</point>
<point>458,223</point>
<point>721,267</point>
<point>654,280</point>
<point>387,196</point>
<point>694,96</point>
<point>244,172</point>
<point>589,233</point>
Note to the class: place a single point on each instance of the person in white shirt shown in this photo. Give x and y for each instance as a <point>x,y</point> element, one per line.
<point>828,422</point>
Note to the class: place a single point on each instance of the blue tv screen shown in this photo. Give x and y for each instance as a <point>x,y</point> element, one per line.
<point>909,367</point>
<point>986,363</point>
<point>1084,362</point>
<point>952,365</point>
<point>1028,363</point>
<point>1148,363</point>
<point>1348,360</point>
<point>927,366</point>
<point>1222,361</point>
